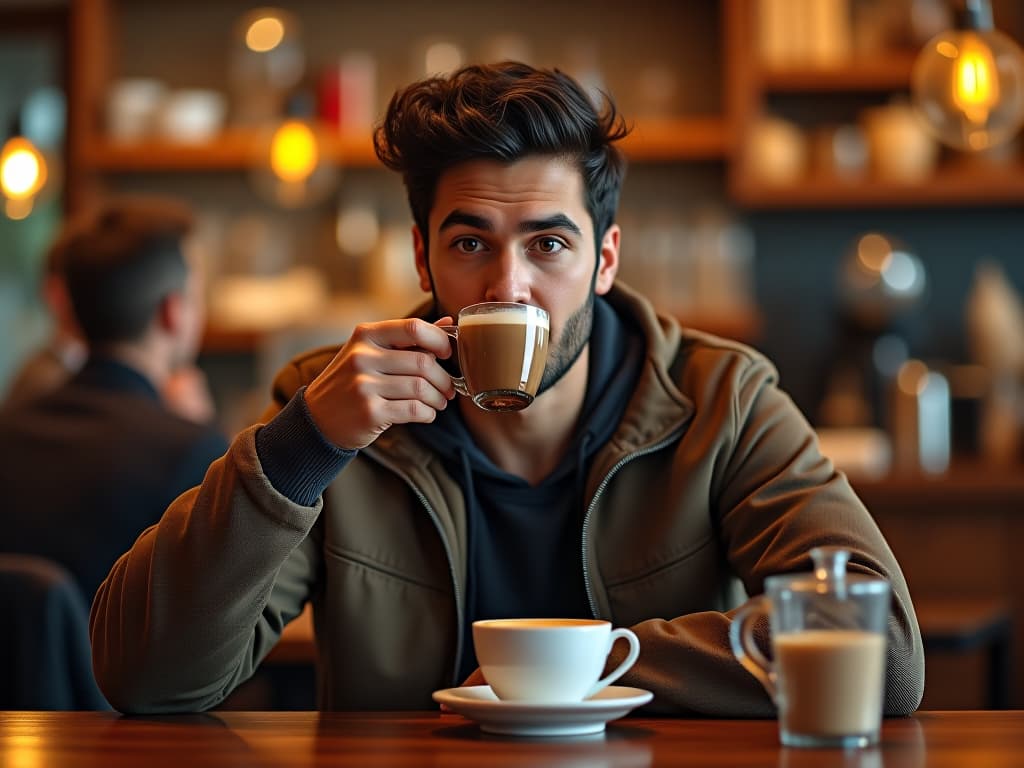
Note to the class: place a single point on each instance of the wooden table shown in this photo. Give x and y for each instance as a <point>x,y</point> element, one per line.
<point>294,739</point>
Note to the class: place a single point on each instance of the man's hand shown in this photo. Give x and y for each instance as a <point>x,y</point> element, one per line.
<point>187,393</point>
<point>387,373</point>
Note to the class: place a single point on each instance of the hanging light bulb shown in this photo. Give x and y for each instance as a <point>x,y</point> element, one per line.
<point>291,168</point>
<point>968,83</point>
<point>294,152</point>
<point>23,174</point>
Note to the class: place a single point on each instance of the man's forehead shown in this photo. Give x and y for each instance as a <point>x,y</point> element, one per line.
<point>534,187</point>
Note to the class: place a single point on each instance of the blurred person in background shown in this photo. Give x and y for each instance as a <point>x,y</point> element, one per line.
<point>91,463</point>
<point>64,353</point>
<point>184,391</point>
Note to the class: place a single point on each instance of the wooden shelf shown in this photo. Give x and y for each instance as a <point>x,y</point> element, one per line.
<point>232,150</point>
<point>889,72</point>
<point>946,188</point>
<point>657,140</point>
<point>685,138</point>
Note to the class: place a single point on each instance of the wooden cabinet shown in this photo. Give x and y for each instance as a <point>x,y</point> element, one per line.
<point>817,97</point>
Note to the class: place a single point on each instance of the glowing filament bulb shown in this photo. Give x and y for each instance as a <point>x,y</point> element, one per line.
<point>975,82</point>
<point>22,169</point>
<point>293,152</point>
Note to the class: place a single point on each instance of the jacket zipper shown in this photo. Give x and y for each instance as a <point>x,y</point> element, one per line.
<point>593,503</point>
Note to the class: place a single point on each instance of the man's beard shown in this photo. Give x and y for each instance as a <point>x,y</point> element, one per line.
<point>566,350</point>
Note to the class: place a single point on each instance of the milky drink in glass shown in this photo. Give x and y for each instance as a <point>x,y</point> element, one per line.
<point>828,637</point>
<point>502,349</point>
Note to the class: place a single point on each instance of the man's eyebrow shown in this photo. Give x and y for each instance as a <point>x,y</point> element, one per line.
<point>558,221</point>
<point>457,217</point>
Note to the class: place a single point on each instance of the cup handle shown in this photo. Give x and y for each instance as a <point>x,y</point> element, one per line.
<point>741,638</point>
<point>629,661</point>
<point>458,381</point>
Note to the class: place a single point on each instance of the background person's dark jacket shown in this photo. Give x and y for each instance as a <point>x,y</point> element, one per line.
<point>85,469</point>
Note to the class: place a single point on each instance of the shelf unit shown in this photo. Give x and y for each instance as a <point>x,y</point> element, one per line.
<point>751,84</point>
<point>719,139</point>
<point>653,141</point>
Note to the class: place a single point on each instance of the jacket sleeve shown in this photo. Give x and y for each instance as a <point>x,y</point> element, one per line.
<point>190,610</point>
<point>774,498</point>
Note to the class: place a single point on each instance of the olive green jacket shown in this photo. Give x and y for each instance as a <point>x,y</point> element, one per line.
<point>712,482</point>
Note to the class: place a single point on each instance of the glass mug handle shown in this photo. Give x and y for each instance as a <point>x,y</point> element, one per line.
<point>623,668</point>
<point>458,381</point>
<point>741,638</point>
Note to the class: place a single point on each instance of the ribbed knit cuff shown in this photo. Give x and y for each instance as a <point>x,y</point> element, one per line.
<point>296,457</point>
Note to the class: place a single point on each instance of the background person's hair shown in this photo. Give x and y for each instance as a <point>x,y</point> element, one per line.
<point>502,112</point>
<point>120,262</point>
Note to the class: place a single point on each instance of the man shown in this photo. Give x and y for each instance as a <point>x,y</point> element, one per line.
<point>658,473</point>
<point>184,391</point>
<point>87,467</point>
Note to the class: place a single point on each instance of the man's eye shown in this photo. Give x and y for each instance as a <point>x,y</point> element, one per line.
<point>468,245</point>
<point>550,245</point>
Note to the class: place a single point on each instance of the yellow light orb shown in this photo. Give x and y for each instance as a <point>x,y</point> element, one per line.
<point>22,169</point>
<point>294,153</point>
<point>264,34</point>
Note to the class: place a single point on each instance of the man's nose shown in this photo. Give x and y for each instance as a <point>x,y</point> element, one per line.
<point>509,279</point>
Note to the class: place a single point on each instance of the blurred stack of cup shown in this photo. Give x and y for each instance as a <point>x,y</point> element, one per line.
<point>141,108</point>
<point>701,263</point>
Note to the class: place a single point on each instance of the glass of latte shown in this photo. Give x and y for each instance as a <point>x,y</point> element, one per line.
<point>827,677</point>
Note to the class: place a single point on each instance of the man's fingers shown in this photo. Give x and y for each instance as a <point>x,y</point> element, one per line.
<point>406,334</point>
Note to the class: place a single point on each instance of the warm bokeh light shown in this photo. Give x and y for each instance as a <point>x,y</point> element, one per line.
<point>293,152</point>
<point>264,34</point>
<point>975,84</point>
<point>16,210</point>
<point>874,252</point>
<point>22,169</point>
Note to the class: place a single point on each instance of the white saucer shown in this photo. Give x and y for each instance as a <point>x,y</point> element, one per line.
<point>478,702</point>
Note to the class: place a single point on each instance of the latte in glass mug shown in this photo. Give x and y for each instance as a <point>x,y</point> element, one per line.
<point>502,348</point>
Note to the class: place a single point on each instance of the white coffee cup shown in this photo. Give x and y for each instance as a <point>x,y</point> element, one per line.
<point>549,661</point>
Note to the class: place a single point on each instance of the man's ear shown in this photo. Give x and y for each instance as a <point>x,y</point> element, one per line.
<point>170,312</point>
<point>607,261</point>
<point>420,248</point>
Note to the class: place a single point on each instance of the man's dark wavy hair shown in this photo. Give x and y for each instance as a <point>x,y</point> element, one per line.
<point>504,112</point>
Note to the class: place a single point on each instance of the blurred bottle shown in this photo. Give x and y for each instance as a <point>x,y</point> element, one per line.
<point>920,419</point>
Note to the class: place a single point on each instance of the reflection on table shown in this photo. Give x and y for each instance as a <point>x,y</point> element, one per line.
<point>66,739</point>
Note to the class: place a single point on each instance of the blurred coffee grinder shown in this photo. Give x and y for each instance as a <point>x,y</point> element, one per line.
<point>873,390</point>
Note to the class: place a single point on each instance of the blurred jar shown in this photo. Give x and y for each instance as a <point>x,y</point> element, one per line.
<point>901,149</point>
<point>777,151</point>
<point>133,106</point>
<point>840,152</point>
<point>192,115</point>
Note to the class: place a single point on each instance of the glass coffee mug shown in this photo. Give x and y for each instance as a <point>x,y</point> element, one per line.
<point>502,348</point>
<point>828,633</point>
